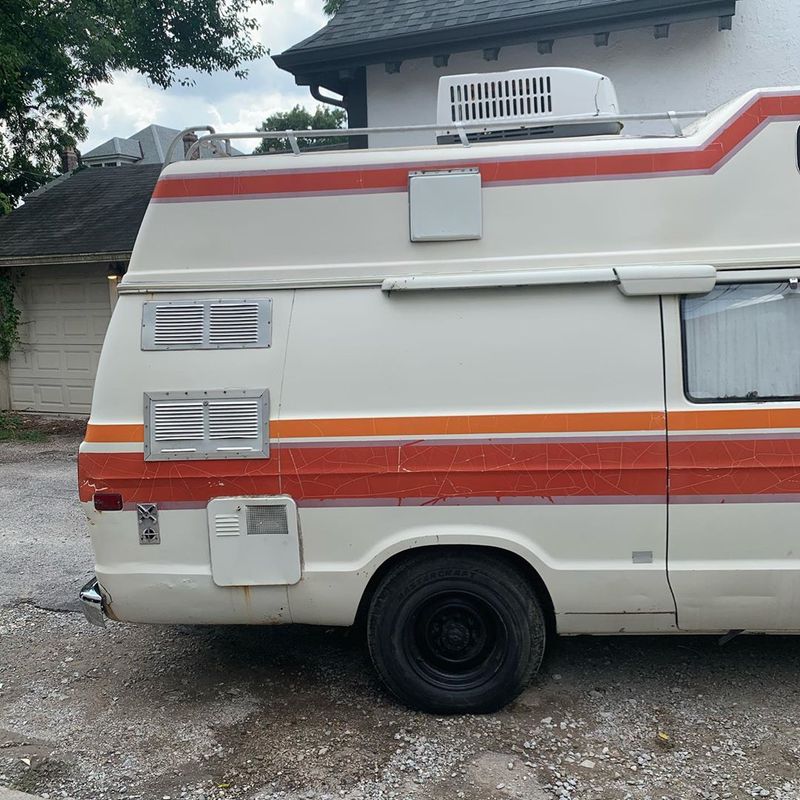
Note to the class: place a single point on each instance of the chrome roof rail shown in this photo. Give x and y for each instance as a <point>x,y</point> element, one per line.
<point>459,128</point>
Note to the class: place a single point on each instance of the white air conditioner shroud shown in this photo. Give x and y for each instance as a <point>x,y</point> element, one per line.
<point>523,97</point>
<point>254,541</point>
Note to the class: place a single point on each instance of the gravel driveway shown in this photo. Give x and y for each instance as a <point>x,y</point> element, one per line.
<point>289,713</point>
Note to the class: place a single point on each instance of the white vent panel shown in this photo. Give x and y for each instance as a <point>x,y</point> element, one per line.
<point>206,324</point>
<point>523,95</point>
<point>224,423</point>
<point>254,541</point>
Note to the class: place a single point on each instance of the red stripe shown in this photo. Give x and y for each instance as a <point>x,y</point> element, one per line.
<point>395,178</point>
<point>441,472</point>
<point>734,467</point>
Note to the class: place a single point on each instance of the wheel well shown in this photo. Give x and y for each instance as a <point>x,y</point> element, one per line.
<point>441,549</point>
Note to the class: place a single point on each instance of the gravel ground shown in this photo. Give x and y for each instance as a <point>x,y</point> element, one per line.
<point>290,713</point>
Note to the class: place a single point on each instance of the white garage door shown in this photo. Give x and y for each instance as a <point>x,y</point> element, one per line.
<point>65,313</point>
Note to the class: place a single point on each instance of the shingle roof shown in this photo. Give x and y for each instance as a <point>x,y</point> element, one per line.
<point>95,211</point>
<point>383,27</point>
<point>116,147</point>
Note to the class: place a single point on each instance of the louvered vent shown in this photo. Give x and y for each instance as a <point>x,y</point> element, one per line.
<point>500,99</point>
<point>206,324</point>
<point>234,323</point>
<point>229,419</point>
<point>226,524</point>
<point>178,326</point>
<point>175,422</point>
<point>231,423</point>
<point>266,520</point>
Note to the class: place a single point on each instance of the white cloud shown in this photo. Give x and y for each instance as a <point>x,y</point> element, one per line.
<point>222,100</point>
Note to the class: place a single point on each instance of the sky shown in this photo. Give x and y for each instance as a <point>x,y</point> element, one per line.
<point>222,100</point>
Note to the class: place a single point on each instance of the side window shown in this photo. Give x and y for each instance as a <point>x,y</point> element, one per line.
<point>741,343</point>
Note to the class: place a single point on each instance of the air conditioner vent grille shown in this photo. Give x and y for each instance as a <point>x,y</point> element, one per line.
<point>500,99</point>
<point>232,323</point>
<point>524,98</point>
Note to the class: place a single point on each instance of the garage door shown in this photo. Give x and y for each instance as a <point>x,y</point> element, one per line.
<point>65,313</point>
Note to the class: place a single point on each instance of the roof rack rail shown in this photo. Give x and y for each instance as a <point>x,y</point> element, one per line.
<point>461,129</point>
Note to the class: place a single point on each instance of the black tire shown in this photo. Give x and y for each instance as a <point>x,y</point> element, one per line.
<point>456,632</point>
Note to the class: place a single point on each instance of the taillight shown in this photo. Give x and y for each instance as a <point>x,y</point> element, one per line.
<point>108,501</point>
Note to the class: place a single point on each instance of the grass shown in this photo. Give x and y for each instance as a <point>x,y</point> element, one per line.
<point>15,428</point>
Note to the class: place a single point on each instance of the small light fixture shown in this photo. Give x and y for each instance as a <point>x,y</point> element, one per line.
<point>545,47</point>
<point>661,31</point>
<point>491,53</point>
<point>601,39</point>
<point>116,269</point>
<point>392,67</point>
<point>726,22</point>
<point>441,60</point>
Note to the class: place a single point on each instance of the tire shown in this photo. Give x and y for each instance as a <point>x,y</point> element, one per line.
<point>456,632</point>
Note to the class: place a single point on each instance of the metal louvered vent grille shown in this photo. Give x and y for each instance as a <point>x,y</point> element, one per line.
<point>178,326</point>
<point>228,423</point>
<point>178,422</point>
<point>226,524</point>
<point>267,520</point>
<point>206,324</point>
<point>234,323</point>
<point>229,419</point>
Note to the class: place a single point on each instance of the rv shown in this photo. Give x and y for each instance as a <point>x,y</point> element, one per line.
<point>538,377</point>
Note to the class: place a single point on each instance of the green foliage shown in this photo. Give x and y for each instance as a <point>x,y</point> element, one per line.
<point>301,119</point>
<point>54,52</point>
<point>9,314</point>
<point>13,427</point>
<point>330,7</point>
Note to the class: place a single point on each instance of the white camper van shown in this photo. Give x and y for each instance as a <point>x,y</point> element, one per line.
<point>540,378</point>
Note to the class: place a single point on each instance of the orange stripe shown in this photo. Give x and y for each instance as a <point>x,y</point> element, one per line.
<point>114,433</point>
<point>482,424</point>
<point>427,426</point>
<point>734,419</point>
<point>487,424</point>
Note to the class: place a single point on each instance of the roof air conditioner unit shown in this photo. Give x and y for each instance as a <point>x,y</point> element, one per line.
<point>526,103</point>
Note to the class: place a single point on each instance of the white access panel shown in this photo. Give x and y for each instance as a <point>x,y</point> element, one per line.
<point>254,541</point>
<point>445,205</point>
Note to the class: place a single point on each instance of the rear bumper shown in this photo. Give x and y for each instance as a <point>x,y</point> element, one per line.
<point>92,603</point>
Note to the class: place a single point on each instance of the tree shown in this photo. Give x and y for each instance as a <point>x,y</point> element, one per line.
<point>330,7</point>
<point>301,119</point>
<point>54,52</point>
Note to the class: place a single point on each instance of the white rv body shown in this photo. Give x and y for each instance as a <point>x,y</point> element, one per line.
<point>519,388</point>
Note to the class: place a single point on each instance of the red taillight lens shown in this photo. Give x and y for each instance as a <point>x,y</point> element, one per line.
<point>108,501</point>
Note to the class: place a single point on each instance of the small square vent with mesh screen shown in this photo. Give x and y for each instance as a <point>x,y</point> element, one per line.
<point>266,520</point>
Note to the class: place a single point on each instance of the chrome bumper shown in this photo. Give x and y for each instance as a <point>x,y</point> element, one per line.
<point>92,603</point>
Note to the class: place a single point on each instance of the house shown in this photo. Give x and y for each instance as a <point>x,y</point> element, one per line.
<point>147,146</point>
<point>67,246</point>
<point>385,56</point>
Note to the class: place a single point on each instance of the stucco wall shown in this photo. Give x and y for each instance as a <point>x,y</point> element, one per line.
<point>697,67</point>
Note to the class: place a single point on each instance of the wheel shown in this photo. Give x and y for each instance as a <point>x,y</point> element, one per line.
<point>456,631</point>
